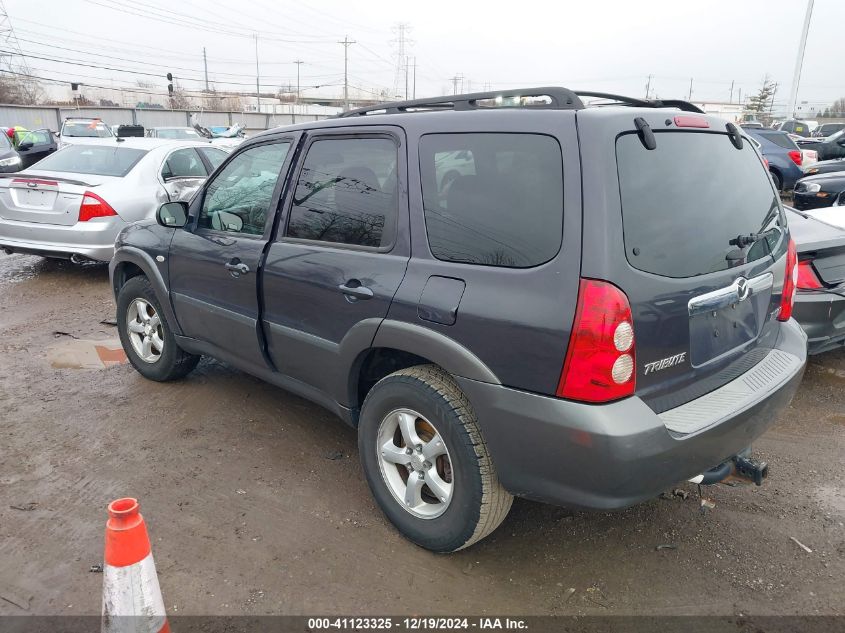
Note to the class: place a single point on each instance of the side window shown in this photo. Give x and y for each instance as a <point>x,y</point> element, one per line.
<point>36,137</point>
<point>503,204</point>
<point>239,196</point>
<point>183,163</point>
<point>347,193</point>
<point>214,156</point>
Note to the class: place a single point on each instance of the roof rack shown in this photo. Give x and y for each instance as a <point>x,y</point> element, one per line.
<point>558,99</point>
<point>642,103</point>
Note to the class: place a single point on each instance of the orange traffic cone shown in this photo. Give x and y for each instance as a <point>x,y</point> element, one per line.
<point>132,601</point>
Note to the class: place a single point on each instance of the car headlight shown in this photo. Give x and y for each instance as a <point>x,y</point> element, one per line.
<point>812,187</point>
<point>811,171</point>
<point>11,161</point>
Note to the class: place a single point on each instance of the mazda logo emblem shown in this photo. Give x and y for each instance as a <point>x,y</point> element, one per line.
<point>742,289</point>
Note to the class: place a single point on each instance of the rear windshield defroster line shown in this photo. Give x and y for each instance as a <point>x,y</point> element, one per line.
<point>684,201</point>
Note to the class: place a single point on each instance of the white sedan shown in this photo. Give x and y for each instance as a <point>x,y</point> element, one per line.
<point>73,203</point>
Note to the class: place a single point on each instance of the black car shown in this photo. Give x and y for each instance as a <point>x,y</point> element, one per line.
<point>825,167</point>
<point>829,148</point>
<point>33,145</point>
<point>820,300</point>
<point>10,160</point>
<point>487,287</point>
<point>821,190</point>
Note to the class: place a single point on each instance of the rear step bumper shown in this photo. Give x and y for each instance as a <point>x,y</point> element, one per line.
<point>615,455</point>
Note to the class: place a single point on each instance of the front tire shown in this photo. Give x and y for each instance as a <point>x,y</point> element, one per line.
<point>146,336</point>
<point>426,461</point>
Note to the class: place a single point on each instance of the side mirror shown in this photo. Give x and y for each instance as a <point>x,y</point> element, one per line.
<point>173,215</point>
<point>25,146</point>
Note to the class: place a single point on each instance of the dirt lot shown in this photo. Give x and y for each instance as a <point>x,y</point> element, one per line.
<point>256,503</point>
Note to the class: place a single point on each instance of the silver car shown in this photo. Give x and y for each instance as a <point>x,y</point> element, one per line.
<point>72,204</point>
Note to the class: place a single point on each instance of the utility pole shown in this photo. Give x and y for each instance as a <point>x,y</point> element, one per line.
<point>205,66</point>
<point>415,77</point>
<point>346,43</point>
<point>799,61</point>
<point>455,81</point>
<point>731,100</point>
<point>298,63</point>
<point>648,86</point>
<point>257,88</point>
<point>401,41</point>
<point>689,98</point>
<point>407,63</point>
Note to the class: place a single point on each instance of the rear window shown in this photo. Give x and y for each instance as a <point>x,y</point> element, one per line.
<point>683,202</point>
<point>100,160</point>
<point>86,129</point>
<point>177,133</point>
<point>779,138</point>
<point>492,199</point>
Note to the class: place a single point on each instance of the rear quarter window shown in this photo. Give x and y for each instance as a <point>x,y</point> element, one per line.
<point>492,199</point>
<point>683,202</point>
<point>781,139</point>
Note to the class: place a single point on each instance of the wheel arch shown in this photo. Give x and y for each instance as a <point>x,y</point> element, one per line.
<point>129,262</point>
<point>399,345</point>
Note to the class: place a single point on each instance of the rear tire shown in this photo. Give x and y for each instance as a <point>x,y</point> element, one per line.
<point>778,180</point>
<point>146,336</point>
<point>455,498</point>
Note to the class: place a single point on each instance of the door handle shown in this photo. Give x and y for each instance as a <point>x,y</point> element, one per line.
<point>237,268</point>
<point>354,290</point>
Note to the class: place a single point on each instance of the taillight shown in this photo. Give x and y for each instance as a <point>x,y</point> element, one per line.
<point>807,278</point>
<point>766,162</point>
<point>790,283</point>
<point>796,157</point>
<point>600,361</point>
<point>93,206</point>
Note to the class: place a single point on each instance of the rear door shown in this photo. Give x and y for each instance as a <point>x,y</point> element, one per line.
<point>214,261</point>
<point>341,250</point>
<point>696,236</point>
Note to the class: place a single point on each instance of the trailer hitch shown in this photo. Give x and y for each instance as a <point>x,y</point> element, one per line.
<point>738,469</point>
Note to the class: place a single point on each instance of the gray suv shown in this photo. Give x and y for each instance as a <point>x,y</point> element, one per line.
<point>505,293</point>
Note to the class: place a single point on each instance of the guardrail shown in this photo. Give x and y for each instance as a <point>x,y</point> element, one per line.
<point>34,117</point>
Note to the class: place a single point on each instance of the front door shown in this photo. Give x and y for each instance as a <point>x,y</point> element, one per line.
<point>214,261</point>
<point>341,253</point>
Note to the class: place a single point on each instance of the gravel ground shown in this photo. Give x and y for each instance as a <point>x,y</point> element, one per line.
<point>256,503</point>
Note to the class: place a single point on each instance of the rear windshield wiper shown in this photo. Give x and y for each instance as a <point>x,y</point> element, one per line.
<point>741,241</point>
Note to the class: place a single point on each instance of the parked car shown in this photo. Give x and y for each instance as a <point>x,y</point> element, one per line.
<point>33,145</point>
<point>825,167</point>
<point>73,203</point>
<point>180,133</point>
<point>10,160</point>
<point>784,157</point>
<point>821,190</point>
<point>793,126</point>
<point>828,148</point>
<point>92,130</point>
<point>827,129</point>
<point>483,353</point>
<point>820,299</point>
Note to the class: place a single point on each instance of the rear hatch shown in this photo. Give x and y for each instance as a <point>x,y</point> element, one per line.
<point>52,192</point>
<point>704,239</point>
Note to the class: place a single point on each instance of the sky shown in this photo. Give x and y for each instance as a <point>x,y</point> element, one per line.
<point>603,45</point>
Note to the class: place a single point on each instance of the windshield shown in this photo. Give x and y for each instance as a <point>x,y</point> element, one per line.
<point>100,160</point>
<point>685,203</point>
<point>178,133</point>
<point>86,129</point>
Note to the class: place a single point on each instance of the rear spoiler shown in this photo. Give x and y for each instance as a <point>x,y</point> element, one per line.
<point>23,176</point>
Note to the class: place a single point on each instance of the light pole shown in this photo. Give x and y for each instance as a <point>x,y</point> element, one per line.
<point>799,61</point>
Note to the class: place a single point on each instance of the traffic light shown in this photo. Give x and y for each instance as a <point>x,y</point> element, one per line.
<point>170,83</point>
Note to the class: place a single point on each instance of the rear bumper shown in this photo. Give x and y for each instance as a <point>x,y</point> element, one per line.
<point>93,239</point>
<point>615,455</point>
<point>822,316</point>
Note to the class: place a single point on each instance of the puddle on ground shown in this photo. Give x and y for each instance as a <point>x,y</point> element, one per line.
<point>86,354</point>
